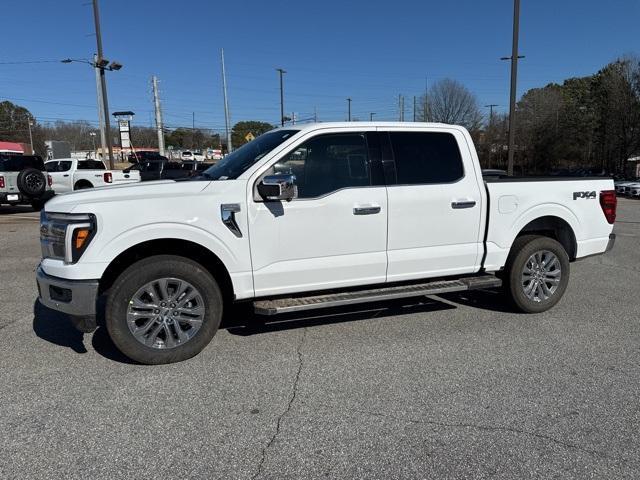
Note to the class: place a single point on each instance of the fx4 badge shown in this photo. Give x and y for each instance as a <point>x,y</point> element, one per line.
<point>587,195</point>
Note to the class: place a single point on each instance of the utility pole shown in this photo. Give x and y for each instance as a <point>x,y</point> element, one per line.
<point>103,133</point>
<point>156,101</point>
<point>426,102</point>
<point>281,72</point>
<point>414,108</point>
<point>371,116</point>
<point>103,82</point>
<point>193,130</point>
<point>400,108</point>
<point>348,109</point>
<point>514,76</point>
<point>226,103</point>
<point>490,107</point>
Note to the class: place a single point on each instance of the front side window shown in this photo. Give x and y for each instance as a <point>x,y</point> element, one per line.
<point>61,166</point>
<point>327,163</point>
<point>426,157</point>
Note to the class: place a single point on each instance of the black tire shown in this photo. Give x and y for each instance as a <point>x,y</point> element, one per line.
<point>140,274</point>
<point>31,182</point>
<point>82,185</point>
<point>514,280</point>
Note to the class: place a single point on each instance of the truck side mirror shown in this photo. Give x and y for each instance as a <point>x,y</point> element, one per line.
<point>278,187</point>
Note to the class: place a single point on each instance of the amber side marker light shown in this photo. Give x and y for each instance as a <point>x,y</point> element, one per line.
<point>81,237</point>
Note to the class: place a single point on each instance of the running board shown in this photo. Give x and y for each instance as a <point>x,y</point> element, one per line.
<point>296,304</point>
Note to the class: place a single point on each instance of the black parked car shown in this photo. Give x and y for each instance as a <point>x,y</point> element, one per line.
<point>169,170</point>
<point>144,156</point>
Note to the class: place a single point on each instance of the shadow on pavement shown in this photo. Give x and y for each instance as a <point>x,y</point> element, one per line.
<point>56,327</point>
<point>493,300</point>
<point>242,321</point>
<point>16,209</point>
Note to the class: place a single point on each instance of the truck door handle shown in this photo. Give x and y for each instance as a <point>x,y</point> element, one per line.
<point>366,210</point>
<point>66,175</point>
<point>463,204</point>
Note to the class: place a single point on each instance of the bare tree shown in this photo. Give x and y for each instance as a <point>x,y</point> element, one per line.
<point>448,101</point>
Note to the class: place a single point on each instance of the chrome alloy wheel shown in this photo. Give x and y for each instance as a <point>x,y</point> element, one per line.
<point>541,276</point>
<point>165,313</point>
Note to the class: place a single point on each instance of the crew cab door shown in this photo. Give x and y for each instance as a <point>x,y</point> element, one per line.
<point>61,172</point>
<point>435,204</point>
<point>334,234</point>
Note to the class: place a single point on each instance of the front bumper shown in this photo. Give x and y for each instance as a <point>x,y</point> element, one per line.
<point>73,297</point>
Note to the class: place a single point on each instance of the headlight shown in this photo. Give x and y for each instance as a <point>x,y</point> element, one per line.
<point>65,236</point>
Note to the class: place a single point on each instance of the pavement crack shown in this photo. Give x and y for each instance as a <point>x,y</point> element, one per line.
<point>492,428</point>
<point>294,393</point>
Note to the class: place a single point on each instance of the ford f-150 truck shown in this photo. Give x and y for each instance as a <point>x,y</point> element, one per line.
<point>313,216</point>
<point>70,174</point>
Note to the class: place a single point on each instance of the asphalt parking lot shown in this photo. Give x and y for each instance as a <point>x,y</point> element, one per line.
<point>448,387</point>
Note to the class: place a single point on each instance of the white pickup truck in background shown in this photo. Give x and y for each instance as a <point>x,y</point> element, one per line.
<point>68,174</point>
<point>313,216</point>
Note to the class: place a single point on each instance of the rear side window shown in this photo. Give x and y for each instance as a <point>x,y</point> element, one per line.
<point>90,165</point>
<point>426,157</point>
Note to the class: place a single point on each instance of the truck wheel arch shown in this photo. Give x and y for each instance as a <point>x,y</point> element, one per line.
<point>169,246</point>
<point>81,184</point>
<point>556,228</point>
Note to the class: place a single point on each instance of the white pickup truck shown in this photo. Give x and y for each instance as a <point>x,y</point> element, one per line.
<point>68,174</point>
<point>313,216</point>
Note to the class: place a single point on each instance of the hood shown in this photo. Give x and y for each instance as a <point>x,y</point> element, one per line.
<point>66,202</point>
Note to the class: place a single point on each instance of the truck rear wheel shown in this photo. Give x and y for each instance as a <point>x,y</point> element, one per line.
<point>536,273</point>
<point>163,309</point>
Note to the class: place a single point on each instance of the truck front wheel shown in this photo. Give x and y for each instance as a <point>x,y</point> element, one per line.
<point>163,309</point>
<point>536,273</point>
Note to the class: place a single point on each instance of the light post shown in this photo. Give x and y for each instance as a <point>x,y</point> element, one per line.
<point>30,124</point>
<point>93,141</point>
<point>371,116</point>
<point>349,109</point>
<point>102,64</point>
<point>281,72</point>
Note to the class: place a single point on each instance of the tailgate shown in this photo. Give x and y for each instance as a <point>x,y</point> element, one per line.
<point>120,176</point>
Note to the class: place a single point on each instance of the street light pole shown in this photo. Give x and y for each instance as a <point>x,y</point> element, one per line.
<point>30,135</point>
<point>103,82</point>
<point>514,76</point>
<point>349,109</point>
<point>371,116</point>
<point>281,72</point>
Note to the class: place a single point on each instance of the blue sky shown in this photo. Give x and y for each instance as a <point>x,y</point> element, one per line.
<point>370,51</point>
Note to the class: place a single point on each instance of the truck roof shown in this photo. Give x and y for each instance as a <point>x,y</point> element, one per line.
<point>314,126</point>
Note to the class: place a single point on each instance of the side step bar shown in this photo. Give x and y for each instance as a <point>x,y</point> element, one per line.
<point>296,304</point>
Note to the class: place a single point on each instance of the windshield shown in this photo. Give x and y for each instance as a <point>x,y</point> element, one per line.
<point>238,161</point>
